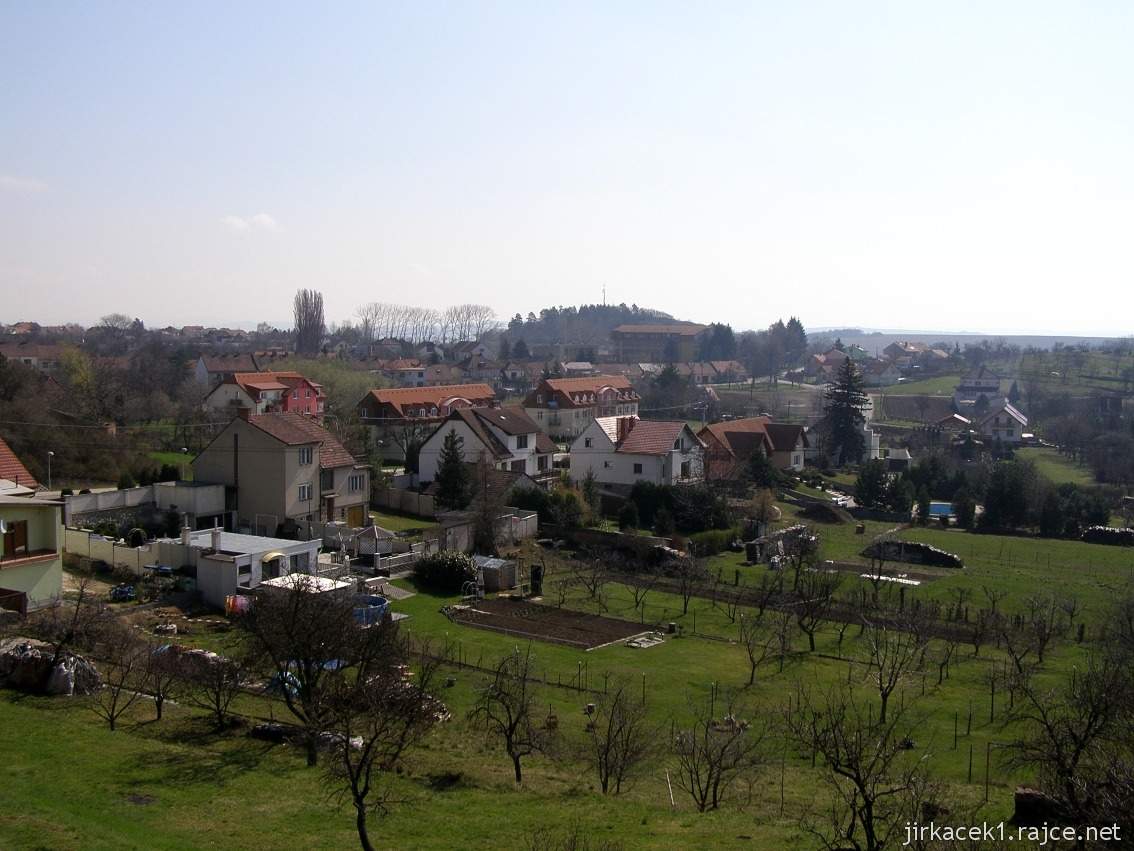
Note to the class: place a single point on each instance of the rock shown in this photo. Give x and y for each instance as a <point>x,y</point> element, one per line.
<point>1033,808</point>
<point>165,629</point>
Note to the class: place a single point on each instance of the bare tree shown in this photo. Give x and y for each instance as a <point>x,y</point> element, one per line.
<point>640,585</point>
<point>816,589</point>
<point>376,717</point>
<point>591,575</point>
<point>308,641</point>
<point>620,736</point>
<point>801,550</point>
<point>878,784</point>
<point>994,596</point>
<point>212,684</point>
<point>309,326</point>
<point>691,576</point>
<point>123,675</point>
<point>1079,736</point>
<point>782,633</point>
<point>712,754</point>
<point>759,642</point>
<point>164,676</point>
<point>506,706</point>
<point>890,655</point>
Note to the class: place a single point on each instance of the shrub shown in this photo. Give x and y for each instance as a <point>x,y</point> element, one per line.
<point>66,492</point>
<point>628,516</point>
<point>713,541</point>
<point>125,480</point>
<point>663,523</point>
<point>445,572</point>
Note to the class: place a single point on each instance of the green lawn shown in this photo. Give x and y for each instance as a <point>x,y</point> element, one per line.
<point>938,385</point>
<point>179,460</point>
<point>401,522</point>
<point>1058,468</point>
<point>69,781</point>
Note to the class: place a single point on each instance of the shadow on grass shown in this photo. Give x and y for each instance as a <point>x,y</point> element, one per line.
<point>205,757</point>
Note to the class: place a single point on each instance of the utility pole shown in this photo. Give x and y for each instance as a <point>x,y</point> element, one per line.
<point>50,455</point>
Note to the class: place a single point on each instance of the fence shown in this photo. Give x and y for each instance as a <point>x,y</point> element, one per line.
<point>639,544</point>
<point>406,502</point>
<point>80,542</point>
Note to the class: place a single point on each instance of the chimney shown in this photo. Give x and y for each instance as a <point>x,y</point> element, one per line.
<point>623,426</point>
<point>244,413</point>
<point>216,539</point>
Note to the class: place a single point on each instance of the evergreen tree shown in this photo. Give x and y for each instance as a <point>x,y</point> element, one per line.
<point>964,508</point>
<point>453,484</point>
<point>796,340</point>
<point>520,350</point>
<point>505,349</point>
<point>846,399</point>
<point>870,487</point>
<point>923,506</point>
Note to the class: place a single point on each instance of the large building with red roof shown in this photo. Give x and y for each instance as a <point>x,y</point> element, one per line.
<point>400,416</point>
<point>657,343</point>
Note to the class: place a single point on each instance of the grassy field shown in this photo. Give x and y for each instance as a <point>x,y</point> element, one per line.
<point>401,522</point>
<point>175,784</point>
<point>180,460</point>
<point>1058,468</point>
<point>938,385</point>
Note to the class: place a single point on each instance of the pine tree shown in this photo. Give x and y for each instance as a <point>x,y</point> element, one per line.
<point>846,399</point>
<point>452,474</point>
<point>520,350</point>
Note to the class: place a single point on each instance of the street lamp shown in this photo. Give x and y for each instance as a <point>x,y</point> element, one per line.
<point>50,455</point>
<point>181,468</point>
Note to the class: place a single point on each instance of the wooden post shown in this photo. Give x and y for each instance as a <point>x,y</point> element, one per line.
<point>643,688</point>
<point>969,724</point>
<point>987,760</point>
<point>955,715</point>
<point>970,762</point>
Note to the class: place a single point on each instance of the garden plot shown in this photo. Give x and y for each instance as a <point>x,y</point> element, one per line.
<point>544,623</point>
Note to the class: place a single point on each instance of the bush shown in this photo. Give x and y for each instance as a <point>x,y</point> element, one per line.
<point>628,516</point>
<point>713,541</point>
<point>66,492</point>
<point>663,523</point>
<point>444,572</point>
<point>125,480</point>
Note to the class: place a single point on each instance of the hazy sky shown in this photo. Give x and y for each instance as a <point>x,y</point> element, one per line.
<point>909,165</point>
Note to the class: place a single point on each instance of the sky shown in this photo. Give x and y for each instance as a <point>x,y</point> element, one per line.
<point>947,166</point>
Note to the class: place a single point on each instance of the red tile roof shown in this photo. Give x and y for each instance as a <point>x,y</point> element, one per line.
<point>741,437</point>
<point>651,437</point>
<point>13,469</point>
<point>296,429</point>
<point>400,398</point>
<point>579,392</point>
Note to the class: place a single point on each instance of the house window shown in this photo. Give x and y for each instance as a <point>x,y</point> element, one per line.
<point>587,442</point>
<point>606,465</point>
<point>306,454</point>
<point>522,441</point>
<point>518,466</point>
<point>355,482</point>
<point>685,469</point>
<point>637,469</point>
<point>305,493</point>
<point>295,394</point>
<point>541,462</point>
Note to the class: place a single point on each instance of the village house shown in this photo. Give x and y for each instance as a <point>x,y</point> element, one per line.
<point>564,407</point>
<point>657,343</point>
<point>283,467</point>
<point>977,384</point>
<point>1003,422</point>
<point>40,356</point>
<point>398,417</point>
<point>31,559</point>
<point>625,450</point>
<point>265,392</point>
<point>904,353</point>
<point>506,437</point>
<point>880,373</point>
<point>729,445</point>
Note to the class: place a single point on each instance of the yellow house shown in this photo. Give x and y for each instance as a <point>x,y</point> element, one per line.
<point>31,564</point>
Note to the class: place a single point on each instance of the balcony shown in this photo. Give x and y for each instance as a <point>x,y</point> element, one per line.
<point>29,557</point>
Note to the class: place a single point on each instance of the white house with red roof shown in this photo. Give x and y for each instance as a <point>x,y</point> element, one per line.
<point>565,407</point>
<point>625,450</point>
<point>506,437</point>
